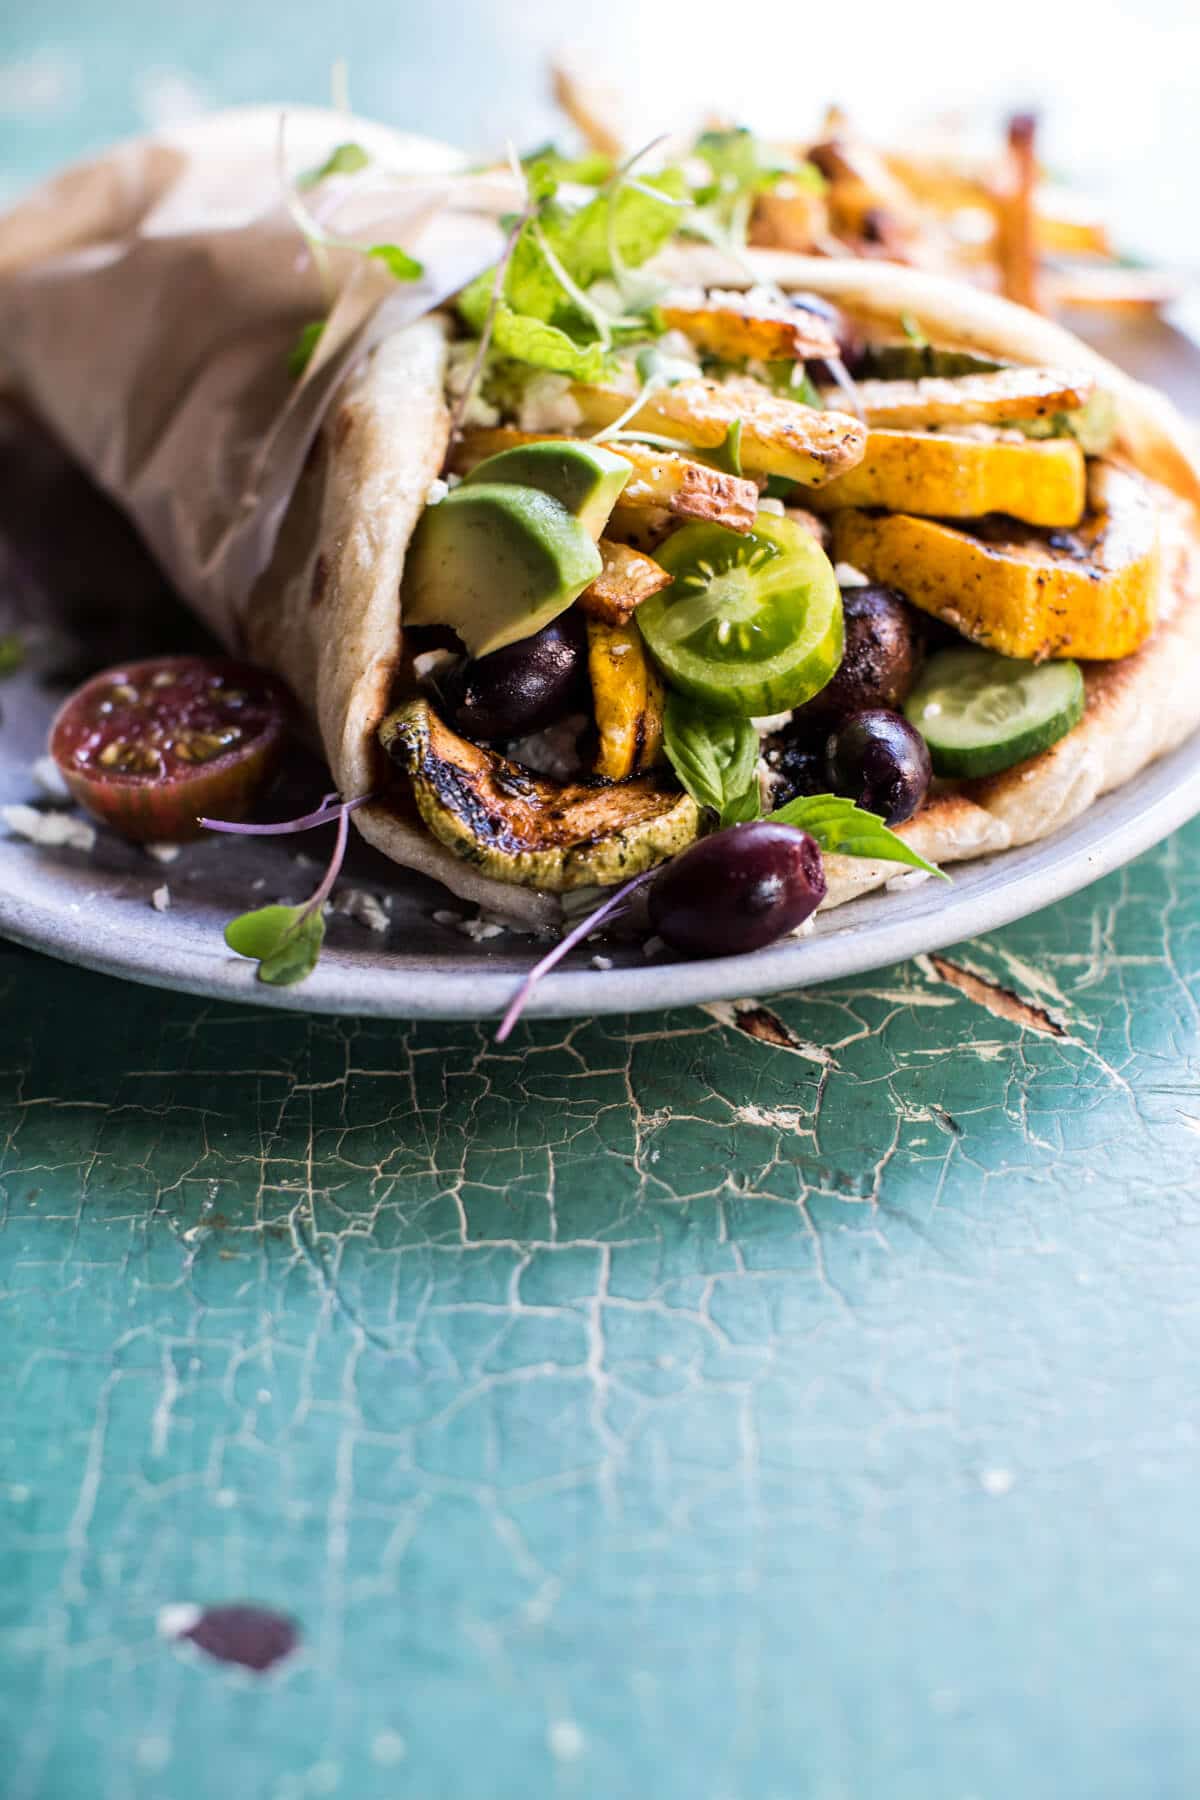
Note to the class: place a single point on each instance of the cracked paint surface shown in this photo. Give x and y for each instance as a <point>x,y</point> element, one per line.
<point>652,1406</point>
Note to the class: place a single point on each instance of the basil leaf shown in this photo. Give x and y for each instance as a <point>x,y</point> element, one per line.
<point>301,352</point>
<point>347,159</point>
<point>715,757</point>
<point>397,262</point>
<point>284,941</point>
<point>844,829</point>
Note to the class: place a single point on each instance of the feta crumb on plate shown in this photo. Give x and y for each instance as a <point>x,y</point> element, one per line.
<point>909,878</point>
<point>48,776</point>
<point>162,853</point>
<point>436,492</point>
<point>160,899</point>
<point>445,917</point>
<point>602,962</point>
<point>51,830</point>
<point>357,903</point>
<point>848,576</point>
<point>487,925</point>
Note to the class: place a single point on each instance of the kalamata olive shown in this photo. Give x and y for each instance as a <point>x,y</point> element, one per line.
<point>881,762</point>
<point>848,334</point>
<point>520,688</point>
<point>881,659</point>
<point>149,747</point>
<point>737,890</point>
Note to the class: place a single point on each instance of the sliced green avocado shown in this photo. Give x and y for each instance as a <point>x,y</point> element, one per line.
<point>496,563</point>
<point>581,476</point>
<point>522,828</point>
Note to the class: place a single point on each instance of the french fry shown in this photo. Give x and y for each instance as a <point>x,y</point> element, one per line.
<point>779,437</point>
<point>789,216</point>
<point>971,399</point>
<point>1016,228</point>
<point>590,109</point>
<point>1112,285</point>
<point>736,327</point>
<point>626,579</point>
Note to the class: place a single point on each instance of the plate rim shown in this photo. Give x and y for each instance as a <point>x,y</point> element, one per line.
<point>852,940</point>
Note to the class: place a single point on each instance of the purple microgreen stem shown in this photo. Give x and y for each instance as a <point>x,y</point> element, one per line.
<point>616,902</point>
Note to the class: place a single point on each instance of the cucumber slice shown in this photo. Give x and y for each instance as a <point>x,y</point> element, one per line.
<point>980,712</point>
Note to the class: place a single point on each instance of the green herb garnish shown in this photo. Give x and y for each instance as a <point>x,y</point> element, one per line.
<point>285,941</point>
<point>843,829</point>
<point>12,652</point>
<point>715,756</point>
<point>727,455</point>
<point>347,159</point>
<point>301,352</point>
<point>397,262</point>
<point>912,331</point>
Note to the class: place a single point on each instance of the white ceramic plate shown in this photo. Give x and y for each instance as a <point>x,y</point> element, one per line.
<point>73,579</point>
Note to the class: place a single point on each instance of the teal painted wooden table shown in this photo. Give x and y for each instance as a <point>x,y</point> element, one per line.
<point>790,1404</point>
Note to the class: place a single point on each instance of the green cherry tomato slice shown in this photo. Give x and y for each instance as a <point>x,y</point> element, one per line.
<point>750,624</point>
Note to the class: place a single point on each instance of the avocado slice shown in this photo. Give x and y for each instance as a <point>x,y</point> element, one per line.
<point>496,563</point>
<point>519,827</point>
<point>581,476</point>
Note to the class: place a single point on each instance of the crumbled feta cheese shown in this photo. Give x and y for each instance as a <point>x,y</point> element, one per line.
<point>436,492</point>
<point>357,903</point>
<point>485,926</point>
<point>430,661</point>
<point>805,928</point>
<point>547,404</point>
<point>678,344</point>
<point>602,962</point>
<point>458,373</point>
<point>160,899</point>
<point>910,878</point>
<point>162,853</point>
<point>652,946</point>
<point>770,722</point>
<point>48,776</point>
<point>553,751</point>
<point>770,505</point>
<point>848,576</point>
<point>445,917</point>
<point>50,830</point>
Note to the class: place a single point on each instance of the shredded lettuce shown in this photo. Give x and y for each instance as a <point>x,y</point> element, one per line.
<point>542,346</point>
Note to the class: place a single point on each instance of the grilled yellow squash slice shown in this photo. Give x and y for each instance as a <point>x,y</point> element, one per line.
<point>948,477</point>
<point>1016,393</point>
<point>627,700</point>
<point>1091,592</point>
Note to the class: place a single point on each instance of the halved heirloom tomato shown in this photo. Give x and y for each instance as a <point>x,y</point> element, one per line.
<point>150,747</point>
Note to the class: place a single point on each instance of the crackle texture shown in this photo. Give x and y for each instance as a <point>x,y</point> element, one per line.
<point>782,1400</point>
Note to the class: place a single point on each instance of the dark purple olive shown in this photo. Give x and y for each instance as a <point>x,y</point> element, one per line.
<point>881,660</point>
<point>737,890</point>
<point>849,336</point>
<point>796,758</point>
<point>521,688</point>
<point>878,760</point>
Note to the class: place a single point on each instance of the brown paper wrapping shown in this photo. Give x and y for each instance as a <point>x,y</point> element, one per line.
<point>149,299</point>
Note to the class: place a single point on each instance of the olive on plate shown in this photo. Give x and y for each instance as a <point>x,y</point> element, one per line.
<point>882,657</point>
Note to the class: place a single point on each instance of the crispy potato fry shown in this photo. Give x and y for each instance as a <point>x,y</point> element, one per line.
<point>1090,593</point>
<point>1099,285</point>
<point>946,477</point>
<point>626,579</point>
<point>970,399</point>
<point>660,479</point>
<point>779,437</point>
<point>736,327</point>
<point>1016,230</point>
<point>591,110</point>
<point>789,216</point>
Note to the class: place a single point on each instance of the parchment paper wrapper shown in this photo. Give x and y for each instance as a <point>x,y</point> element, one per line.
<point>149,300</point>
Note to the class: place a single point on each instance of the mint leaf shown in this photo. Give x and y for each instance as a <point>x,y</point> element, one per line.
<point>844,829</point>
<point>285,941</point>
<point>347,159</point>
<point>715,757</point>
<point>301,352</point>
<point>397,262</point>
